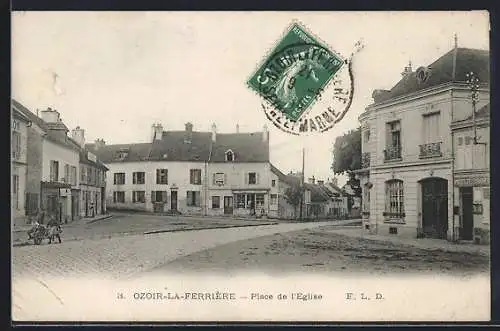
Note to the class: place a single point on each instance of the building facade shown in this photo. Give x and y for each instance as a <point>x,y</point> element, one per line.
<point>472,190</point>
<point>53,164</point>
<point>189,172</point>
<point>407,149</point>
<point>19,165</point>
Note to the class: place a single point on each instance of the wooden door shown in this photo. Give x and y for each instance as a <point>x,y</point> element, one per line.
<point>228,205</point>
<point>173,201</point>
<point>435,207</point>
<point>466,230</point>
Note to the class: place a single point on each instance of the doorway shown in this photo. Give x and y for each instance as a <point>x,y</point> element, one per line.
<point>173,201</point>
<point>228,205</point>
<point>467,228</point>
<point>434,207</point>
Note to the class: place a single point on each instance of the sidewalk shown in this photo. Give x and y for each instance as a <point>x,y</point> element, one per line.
<point>81,221</point>
<point>424,243</point>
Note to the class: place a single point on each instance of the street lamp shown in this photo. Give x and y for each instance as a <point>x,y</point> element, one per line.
<point>473,83</point>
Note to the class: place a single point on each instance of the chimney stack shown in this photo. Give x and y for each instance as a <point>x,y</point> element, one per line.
<point>99,143</point>
<point>214,132</point>
<point>407,70</point>
<point>78,135</point>
<point>156,132</point>
<point>189,127</point>
<point>50,115</point>
<point>265,133</point>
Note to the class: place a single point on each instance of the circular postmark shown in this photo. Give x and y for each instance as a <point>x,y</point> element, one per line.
<point>300,102</point>
<point>306,87</point>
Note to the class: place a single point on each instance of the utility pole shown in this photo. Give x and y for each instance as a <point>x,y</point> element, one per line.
<point>473,83</point>
<point>302,191</point>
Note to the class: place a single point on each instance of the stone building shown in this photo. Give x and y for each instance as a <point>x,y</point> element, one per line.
<point>407,150</point>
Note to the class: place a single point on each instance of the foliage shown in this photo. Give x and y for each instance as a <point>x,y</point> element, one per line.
<point>347,157</point>
<point>293,195</point>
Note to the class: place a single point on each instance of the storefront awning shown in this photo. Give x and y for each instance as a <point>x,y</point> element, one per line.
<point>55,185</point>
<point>251,191</point>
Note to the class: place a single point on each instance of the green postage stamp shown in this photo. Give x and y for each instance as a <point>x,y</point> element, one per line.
<point>293,78</point>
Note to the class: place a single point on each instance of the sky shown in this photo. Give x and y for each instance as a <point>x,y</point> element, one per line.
<point>114,74</point>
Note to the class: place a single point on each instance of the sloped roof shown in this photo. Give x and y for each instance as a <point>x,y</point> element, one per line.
<point>29,115</point>
<point>318,193</point>
<point>277,172</point>
<point>60,138</point>
<point>109,153</point>
<point>441,71</point>
<point>246,147</point>
<point>181,146</point>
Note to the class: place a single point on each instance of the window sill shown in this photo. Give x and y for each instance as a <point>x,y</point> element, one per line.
<point>393,160</point>
<point>393,215</point>
<point>394,221</point>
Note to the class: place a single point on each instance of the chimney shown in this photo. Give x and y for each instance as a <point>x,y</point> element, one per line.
<point>312,180</point>
<point>189,133</point>
<point>156,132</point>
<point>78,135</point>
<point>237,128</point>
<point>99,143</point>
<point>407,70</point>
<point>214,132</point>
<point>265,133</point>
<point>321,182</point>
<point>50,115</point>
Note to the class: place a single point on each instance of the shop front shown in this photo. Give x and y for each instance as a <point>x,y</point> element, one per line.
<point>472,207</point>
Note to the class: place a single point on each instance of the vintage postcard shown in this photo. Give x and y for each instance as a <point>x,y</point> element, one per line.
<point>250,166</point>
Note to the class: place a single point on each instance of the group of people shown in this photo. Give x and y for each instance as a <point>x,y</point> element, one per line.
<point>53,226</point>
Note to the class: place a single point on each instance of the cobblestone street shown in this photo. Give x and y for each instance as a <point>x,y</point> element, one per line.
<point>122,256</point>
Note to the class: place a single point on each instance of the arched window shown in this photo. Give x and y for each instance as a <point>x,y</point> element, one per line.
<point>394,197</point>
<point>229,156</point>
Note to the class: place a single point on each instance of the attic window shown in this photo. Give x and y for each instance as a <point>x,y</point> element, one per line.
<point>229,156</point>
<point>121,155</point>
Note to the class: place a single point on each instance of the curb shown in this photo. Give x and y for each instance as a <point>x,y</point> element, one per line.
<point>210,228</point>
<point>99,219</point>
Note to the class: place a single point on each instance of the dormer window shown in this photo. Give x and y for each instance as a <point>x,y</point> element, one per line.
<point>229,156</point>
<point>121,155</point>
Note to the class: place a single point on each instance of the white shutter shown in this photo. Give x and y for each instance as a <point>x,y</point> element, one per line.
<point>225,179</point>
<point>246,178</point>
<point>256,178</point>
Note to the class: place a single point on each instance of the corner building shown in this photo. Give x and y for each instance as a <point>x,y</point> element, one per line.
<point>408,151</point>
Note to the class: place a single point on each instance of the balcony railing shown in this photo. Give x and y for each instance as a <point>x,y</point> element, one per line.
<point>365,160</point>
<point>392,153</point>
<point>430,150</point>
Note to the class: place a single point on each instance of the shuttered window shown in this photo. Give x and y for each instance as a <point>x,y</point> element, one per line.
<point>193,198</point>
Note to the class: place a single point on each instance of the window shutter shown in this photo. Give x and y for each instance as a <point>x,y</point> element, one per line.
<point>164,196</point>
<point>197,199</point>
<point>256,178</point>
<point>225,179</point>
<point>153,196</point>
<point>214,175</point>
<point>157,176</point>
<point>246,178</point>
<point>189,198</point>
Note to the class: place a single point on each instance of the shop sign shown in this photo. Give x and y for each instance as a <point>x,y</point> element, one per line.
<point>473,181</point>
